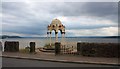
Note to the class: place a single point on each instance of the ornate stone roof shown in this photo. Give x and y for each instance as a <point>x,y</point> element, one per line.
<point>56,22</point>
<point>56,25</point>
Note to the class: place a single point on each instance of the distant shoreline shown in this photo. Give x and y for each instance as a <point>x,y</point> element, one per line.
<point>81,37</point>
<point>6,36</point>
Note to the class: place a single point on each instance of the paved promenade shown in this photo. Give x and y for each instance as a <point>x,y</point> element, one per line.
<point>62,58</point>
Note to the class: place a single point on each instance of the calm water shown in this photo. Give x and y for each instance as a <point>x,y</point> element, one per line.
<point>40,42</point>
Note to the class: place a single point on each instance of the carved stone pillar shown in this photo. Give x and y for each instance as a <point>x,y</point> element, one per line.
<point>50,38</point>
<point>47,35</point>
<point>56,36</point>
<point>63,35</point>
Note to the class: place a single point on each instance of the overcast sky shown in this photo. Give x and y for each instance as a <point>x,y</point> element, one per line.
<point>80,18</point>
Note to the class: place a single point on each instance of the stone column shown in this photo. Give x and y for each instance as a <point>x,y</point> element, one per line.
<point>63,36</point>
<point>47,35</point>
<point>57,48</point>
<point>56,36</point>
<point>78,48</point>
<point>50,38</point>
<point>32,47</point>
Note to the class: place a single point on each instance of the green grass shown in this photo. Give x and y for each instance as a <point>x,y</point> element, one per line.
<point>26,50</point>
<point>48,45</point>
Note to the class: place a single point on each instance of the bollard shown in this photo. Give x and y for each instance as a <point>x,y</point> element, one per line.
<point>32,47</point>
<point>57,48</point>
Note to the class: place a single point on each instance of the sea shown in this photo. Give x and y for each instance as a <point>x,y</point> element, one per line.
<point>69,41</point>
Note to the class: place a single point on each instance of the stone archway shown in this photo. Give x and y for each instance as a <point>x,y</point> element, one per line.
<point>56,25</point>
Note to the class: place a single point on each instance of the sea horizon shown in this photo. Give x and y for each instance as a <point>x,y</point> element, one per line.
<point>71,41</point>
<point>8,36</point>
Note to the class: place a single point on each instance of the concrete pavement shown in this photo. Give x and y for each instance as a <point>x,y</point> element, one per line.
<point>63,58</point>
<point>13,62</point>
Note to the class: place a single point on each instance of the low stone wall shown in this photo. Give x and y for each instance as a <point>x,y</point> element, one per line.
<point>11,46</point>
<point>0,46</point>
<point>98,49</point>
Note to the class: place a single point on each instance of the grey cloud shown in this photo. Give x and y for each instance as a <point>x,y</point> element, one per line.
<point>102,8</point>
<point>108,10</point>
<point>23,22</point>
<point>90,27</point>
<point>35,20</point>
<point>19,10</point>
<point>25,30</point>
<point>105,10</point>
<point>39,28</point>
